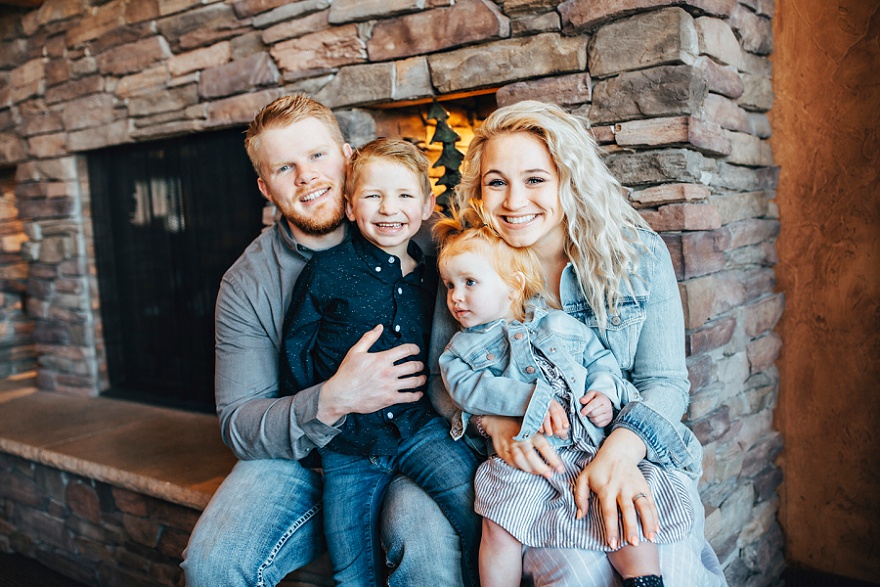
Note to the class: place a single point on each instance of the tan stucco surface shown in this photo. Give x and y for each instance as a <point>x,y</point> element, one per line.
<point>826,137</point>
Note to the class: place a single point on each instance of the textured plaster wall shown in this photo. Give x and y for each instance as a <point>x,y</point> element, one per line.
<point>826,137</point>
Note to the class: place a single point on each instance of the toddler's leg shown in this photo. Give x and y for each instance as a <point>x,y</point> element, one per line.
<point>638,565</point>
<point>500,557</point>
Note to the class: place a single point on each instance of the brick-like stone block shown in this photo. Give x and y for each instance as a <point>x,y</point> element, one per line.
<point>115,133</point>
<point>12,148</point>
<point>289,11</point>
<point>99,21</point>
<point>246,8</point>
<point>75,89</point>
<point>755,32</point>
<point>465,23</point>
<point>47,146</point>
<point>321,50</point>
<point>563,90</point>
<point>203,58</point>
<point>83,501</point>
<point>720,79</point>
<point>667,90</point>
<point>45,209</point>
<point>530,25</point>
<point>506,61</point>
<point>726,113</point>
<point>154,79</point>
<point>749,150</point>
<point>718,41</point>
<point>763,315</point>
<point>586,14</point>
<point>377,82</point>
<point>701,253</point>
<point>713,335</point>
<point>656,167</point>
<point>291,29</point>
<point>661,37</point>
<point>698,301</point>
<point>238,76</point>
<point>682,217</point>
<point>757,93</point>
<point>89,111</point>
<point>707,137</point>
<point>173,100</point>
<point>238,109</point>
<point>764,351</point>
<point>134,57</point>
<point>668,193</point>
<point>343,11</point>
<point>739,206</point>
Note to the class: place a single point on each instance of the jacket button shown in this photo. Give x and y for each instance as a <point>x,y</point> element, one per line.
<point>616,320</point>
<point>518,335</point>
<point>490,357</point>
<point>530,370</point>
<point>553,349</point>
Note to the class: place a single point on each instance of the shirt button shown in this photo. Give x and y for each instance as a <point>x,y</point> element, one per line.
<point>616,320</point>
<point>530,370</point>
<point>490,357</point>
<point>399,290</point>
<point>518,336</point>
<point>397,328</point>
<point>390,415</point>
<point>391,259</point>
<point>378,269</point>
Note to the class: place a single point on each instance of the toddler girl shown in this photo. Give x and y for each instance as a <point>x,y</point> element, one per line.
<point>515,356</point>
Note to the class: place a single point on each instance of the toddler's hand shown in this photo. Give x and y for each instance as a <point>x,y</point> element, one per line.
<point>555,421</point>
<point>597,407</point>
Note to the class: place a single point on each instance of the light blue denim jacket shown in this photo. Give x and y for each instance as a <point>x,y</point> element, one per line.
<point>491,369</point>
<point>647,339</point>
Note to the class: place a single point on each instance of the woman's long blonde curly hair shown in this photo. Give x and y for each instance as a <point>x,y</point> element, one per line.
<point>601,240</point>
<point>468,231</point>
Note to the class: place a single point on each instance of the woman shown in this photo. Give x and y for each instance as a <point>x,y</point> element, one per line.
<point>542,182</point>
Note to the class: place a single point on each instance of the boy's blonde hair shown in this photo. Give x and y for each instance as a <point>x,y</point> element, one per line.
<point>283,112</point>
<point>468,232</point>
<point>395,150</point>
<point>600,226</point>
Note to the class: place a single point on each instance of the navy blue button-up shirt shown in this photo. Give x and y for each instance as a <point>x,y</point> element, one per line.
<point>342,293</point>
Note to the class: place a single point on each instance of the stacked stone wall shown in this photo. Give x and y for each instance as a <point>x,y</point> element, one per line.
<point>677,92</point>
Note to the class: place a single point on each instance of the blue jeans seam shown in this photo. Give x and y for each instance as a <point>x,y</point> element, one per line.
<point>298,523</point>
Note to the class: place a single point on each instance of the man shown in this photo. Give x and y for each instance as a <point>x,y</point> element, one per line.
<point>265,519</point>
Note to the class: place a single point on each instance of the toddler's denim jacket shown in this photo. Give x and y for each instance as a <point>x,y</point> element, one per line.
<point>646,337</point>
<point>491,369</point>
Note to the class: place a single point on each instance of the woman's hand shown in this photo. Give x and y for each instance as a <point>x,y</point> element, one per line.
<point>613,475</point>
<point>532,455</point>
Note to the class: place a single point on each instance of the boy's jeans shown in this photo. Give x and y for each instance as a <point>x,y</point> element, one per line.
<point>354,489</point>
<point>265,521</point>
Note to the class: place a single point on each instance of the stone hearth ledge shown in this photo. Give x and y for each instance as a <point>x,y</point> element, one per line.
<point>168,454</point>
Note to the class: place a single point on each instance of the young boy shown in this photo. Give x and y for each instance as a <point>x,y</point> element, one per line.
<point>379,278</point>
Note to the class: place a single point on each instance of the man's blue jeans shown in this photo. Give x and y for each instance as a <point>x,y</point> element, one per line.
<point>265,521</point>
<point>354,490</point>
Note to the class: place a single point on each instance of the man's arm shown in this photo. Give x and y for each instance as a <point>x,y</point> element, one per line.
<point>255,422</point>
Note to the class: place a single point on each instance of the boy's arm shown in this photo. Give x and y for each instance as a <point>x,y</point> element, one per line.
<point>302,321</point>
<point>603,371</point>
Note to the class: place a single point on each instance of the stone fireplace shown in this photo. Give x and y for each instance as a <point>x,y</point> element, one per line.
<point>676,92</point>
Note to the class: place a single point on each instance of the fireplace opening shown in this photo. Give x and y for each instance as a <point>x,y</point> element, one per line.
<point>169,218</point>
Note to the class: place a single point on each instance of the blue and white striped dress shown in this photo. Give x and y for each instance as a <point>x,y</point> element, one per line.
<point>540,512</point>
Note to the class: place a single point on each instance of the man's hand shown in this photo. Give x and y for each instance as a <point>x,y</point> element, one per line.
<point>366,382</point>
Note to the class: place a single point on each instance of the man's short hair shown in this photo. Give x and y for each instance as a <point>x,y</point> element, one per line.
<point>283,112</point>
<point>391,149</point>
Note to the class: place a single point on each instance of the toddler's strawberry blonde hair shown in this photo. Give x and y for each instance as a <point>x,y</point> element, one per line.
<point>467,231</point>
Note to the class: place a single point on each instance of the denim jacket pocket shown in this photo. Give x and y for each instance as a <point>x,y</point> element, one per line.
<point>622,331</point>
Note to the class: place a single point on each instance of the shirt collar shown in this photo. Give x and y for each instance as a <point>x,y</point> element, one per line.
<point>302,251</point>
<point>376,257</point>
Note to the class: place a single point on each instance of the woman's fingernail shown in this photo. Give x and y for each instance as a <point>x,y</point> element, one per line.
<point>613,543</point>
